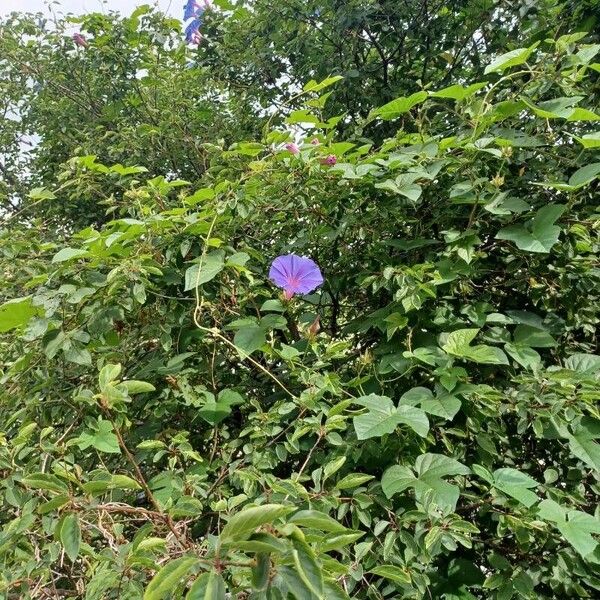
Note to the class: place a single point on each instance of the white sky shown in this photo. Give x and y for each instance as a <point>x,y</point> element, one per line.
<point>173,7</point>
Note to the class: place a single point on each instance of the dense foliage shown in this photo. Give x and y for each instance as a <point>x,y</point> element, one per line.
<point>421,426</point>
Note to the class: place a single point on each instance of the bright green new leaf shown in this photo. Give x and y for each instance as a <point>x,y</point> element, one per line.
<point>510,59</point>
<point>16,313</point>
<point>458,92</point>
<point>458,344</point>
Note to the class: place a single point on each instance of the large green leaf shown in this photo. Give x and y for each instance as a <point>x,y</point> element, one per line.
<point>510,59</point>
<point>458,92</point>
<point>441,405</point>
<point>576,526</point>
<point>307,567</point>
<point>317,520</point>
<point>540,234</point>
<point>102,438</point>
<point>582,444</point>
<point>427,477</point>
<point>16,313</point>
<point>250,338</point>
<point>512,482</point>
<point>202,272</point>
<point>393,573</point>
<point>399,106</point>
<point>458,342</point>
<point>70,536</point>
<point>240,525</point>
<point>383,417</point>
<point>169,577</point>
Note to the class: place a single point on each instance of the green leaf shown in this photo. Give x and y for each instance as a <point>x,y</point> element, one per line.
<point>583,446</point>
<point>41,193</point>
<point>540,234</point>
<point>133,386</point>
<point>315,519</point>
<point>296,584</point>
<point>584,175</point>
<point>393,573</point>
<point>459,92</point>
<point>264,543</point>
<point>54,504</point>
<point>260,572</point>
<point>336,542</point>
<point>383,417</point>
<point>240,525</point>
<point>215,412</point>
<point>399,106</point>
<point>430,468</point>
<point>250,338</point>
<point>123,482</point>
<point>78,355</point>
<point>45,481</point>
<point>70,536</point>
<point>353,480</point>
<point>527,357</point>
<point>169,577</point>
<point>590,140</point>
<point>108,374</point>
<point>16,313</point>
<point>212,264</point>
<point>510,59</point>
<point>102,439</point>
<point>307,567</point>
<point>574,525</point>
<point>313,86</point>
<point>557,108</point>
<point>200,196</point>
<point>443,405</point>
<point>457,344</point>
<point>516,484</point>
<point>215,587</point>
<point>198,589</point>
<point>69,254</point>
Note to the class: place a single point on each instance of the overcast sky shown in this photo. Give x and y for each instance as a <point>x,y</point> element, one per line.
<point>174,7</point>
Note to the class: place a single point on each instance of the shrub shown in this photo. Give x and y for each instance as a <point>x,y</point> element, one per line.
<point>423,425</point>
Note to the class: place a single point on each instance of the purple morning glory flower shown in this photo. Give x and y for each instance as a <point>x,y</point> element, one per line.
<point>191,9</point>
<point>192,32</point>
<point>295,274</point>
<point>194,8</point>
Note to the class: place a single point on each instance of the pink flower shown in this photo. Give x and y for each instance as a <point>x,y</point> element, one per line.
<point>330,160</point>
<point>79,40</point>
<point>315,141</point>
<point>293,148</point>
